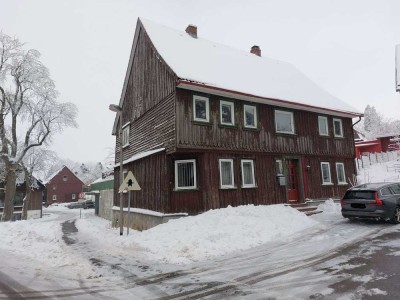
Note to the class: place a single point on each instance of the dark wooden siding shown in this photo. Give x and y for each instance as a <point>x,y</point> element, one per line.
<point>63,189</point>
<point>149,101</point>
<point>213,136</point>
<point>151,174</point>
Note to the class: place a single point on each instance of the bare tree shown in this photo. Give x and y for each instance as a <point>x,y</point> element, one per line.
<point>29,111</point>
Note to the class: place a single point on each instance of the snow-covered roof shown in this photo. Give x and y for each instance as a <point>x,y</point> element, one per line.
<point>46,181</point>
<point>201,63</point>
<point>140,156</point>
<point>101,179</point>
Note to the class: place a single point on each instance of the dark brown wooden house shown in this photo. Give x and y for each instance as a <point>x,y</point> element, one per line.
<point>205,126</point>
<point>34,210</point>
<point>63,186</point>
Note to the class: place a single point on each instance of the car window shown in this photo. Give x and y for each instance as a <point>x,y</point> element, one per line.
<point>386,191</point>
<point>360,195</point>
<point>395,188</point>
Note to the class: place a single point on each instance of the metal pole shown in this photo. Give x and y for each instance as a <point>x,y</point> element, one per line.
<point>121,178</point>
<point>129,211</point>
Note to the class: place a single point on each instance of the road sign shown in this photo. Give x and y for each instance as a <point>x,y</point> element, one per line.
<point>129,184</point>
<point>81,195</point>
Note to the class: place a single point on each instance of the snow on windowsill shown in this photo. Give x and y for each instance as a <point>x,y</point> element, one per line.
<point>149,212</point>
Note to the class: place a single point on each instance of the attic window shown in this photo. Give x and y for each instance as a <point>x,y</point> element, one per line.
<point>201,109</point>
<point>65,178</point>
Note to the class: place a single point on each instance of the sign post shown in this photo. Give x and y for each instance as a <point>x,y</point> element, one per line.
<point>129,184</point>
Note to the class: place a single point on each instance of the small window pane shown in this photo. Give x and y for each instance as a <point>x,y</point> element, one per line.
<point>250,117</point>
<point>284,122</point>
<point>340,173</point>
<point>185,174</point>
<point>323,125</point>
<point>226,169</point>
<point>337,127</point>
<point>248,173</point>
<point>201,109</point>
<point>326,173</point>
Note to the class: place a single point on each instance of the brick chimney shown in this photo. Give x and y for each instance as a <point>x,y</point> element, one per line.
<point>192,31</point>
<point>256,50</point>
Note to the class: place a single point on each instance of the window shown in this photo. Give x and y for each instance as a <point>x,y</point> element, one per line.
<point>395,188</point>
<point>337,128</point>
<point>326,173</point>
<point>185,174</point>
<point>284,122</point>
<point>323,125</point>
<point>201,109</point>
<point>55,187</point>
<point>54,197</point>
<point>73,196</point>
<point>125,136</point>
<point>250,116</point>
<point>65,178</point>
<point>386,191</point>
<point>248,173</point>
<point>279,167</point>
<point>226,173</point>
<point>227,113</point>
<point>341,177</point>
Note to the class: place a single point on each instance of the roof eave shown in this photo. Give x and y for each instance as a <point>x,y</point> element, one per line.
<point>203,88</point>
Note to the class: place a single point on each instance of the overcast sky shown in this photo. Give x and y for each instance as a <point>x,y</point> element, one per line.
<point>345,46</point>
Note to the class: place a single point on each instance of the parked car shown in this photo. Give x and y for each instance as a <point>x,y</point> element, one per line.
<point>88,204</point>
<point>373,200</point>
<point>75,205</point>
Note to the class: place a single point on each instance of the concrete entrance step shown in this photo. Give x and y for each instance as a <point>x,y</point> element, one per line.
<point>305,208</point>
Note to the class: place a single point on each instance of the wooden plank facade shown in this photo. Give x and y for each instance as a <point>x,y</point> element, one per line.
<point>160,115</point>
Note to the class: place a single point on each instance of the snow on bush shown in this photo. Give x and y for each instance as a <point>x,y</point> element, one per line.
<point>220,231</point>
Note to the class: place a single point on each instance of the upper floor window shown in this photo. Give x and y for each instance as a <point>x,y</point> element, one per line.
<point>248,179</point>
<point>341,177</point>
<point>323,125</point>
<point>226,173</point>
<point>337,128</point>
<point>227,113</point>
<point>125,136</point>
<point>326,173</point>
<point>185,174</point>
<point>201,109</point>
<point>65,178</point>
<point>284,122</point>
<point>250,116</point>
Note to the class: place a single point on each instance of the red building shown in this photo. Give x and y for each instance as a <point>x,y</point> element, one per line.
<point>380,144</point>
<point>63,186</point>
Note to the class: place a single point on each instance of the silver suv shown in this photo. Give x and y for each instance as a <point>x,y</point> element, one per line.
<point>373,200</point>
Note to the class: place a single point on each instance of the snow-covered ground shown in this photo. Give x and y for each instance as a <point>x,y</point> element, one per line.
<point>187,243</point>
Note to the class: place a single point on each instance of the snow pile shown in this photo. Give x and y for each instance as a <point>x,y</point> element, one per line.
<point>219,232</point>
<point>330,207</point>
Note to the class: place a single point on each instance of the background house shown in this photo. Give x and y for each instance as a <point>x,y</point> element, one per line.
<point>34,209</point>
<point>102,190</point>
<point>380,144</point>
<point>63,186</point>
<point>206,126</point>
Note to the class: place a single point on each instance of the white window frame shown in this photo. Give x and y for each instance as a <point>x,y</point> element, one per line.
<point>291,119</point>
<point>226,186</point>
<point>194,174</point>
<point>232,106</point>
<point>125,135</point>
<point>279,166</point>
<point>54,197</point>
<point>65,178</point>
<point>329,172</point>
<point>341,127</point>
<point>244,185</point>
<point>325,119</point>
<point>254,107</point>
<point>73,196</point>
<point>337,173</point>
<point>207,100</point>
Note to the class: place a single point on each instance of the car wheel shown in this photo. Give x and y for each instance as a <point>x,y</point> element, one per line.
<point>396,216</point>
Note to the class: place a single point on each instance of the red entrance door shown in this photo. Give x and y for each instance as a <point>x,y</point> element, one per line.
<point>292,180</point>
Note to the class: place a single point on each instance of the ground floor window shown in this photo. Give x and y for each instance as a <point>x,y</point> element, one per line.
<point>226,173</point>
<point>73,196</point>
<point>185,174</point>
<point>248,179</point>
<point>341,177</point>
<point>326,173</point>
<point>54,197</point>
